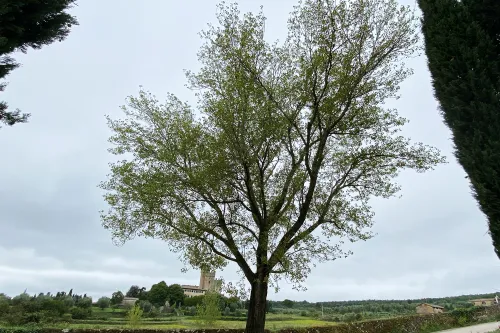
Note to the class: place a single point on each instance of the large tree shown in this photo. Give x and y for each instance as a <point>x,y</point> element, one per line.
<point>135,291</point>
<point>28,24</point>
<point>176,294</point>
<point>462,43</point>
<point>117,298</point>
<point>276,165</point>
<point>158,294</point>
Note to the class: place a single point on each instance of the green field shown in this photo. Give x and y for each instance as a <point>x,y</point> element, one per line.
<point>274,322</point>
<point>192,324</point>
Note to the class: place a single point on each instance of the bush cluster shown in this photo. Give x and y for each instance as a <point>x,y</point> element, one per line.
<point>44,308</point>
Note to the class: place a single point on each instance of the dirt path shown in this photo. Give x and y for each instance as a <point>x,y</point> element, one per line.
<point>481,328</point>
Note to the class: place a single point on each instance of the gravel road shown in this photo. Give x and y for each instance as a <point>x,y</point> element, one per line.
<point>481,328</point>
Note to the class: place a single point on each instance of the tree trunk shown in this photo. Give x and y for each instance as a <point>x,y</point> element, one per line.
<point>256,319</point>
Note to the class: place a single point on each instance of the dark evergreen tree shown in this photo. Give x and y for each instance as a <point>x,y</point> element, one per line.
<point>462,43</point>
<point>134,291</point>
<point>29,24</point>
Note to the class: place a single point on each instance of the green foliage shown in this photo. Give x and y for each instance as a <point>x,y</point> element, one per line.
<point>209,311</point>
<point>134,316</point>
<point>144,296</point>
<point>152,313</point>
<point>21,299</point>
<point>103,302</point>
<point>269,307</point>
<point>29,24</point>
<point>146,306</point>
<point>117,298</point>
<point>158,294</point>
<point>81,313</point>
<point>176,294</point>
<point>68,301</point>
<point>135,291</point>
<point>43,308</point>
<point>227,311</point>
<point>288,303</point>
<point>4,304</point>
<point>193,301</point>
<point>462,47</point>
<point>84,302</point>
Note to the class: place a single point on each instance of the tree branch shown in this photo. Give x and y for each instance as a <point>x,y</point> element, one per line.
<point>244,227</point>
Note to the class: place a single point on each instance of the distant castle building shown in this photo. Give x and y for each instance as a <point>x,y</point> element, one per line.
<point>208,282</point>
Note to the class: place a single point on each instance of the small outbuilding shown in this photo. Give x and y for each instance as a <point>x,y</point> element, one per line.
<point>129,301</point>
<point>426,308</point>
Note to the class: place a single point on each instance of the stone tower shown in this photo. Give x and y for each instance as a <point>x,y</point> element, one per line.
<point>207,280</point>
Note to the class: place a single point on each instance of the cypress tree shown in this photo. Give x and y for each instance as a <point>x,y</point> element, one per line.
<point>29,24</point>
<point>462,43</point>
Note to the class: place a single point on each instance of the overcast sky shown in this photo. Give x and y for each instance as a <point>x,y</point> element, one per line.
<point>432,242</point>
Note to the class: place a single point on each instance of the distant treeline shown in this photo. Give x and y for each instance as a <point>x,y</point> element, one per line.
<point>377,306</point>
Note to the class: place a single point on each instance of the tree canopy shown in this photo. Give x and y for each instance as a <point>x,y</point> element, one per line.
<point>29,24</point>
<point>175,294</point>
<point>103,302</point>
<point>135,291</point>
<point>276,165</point>
<point>117,298</point>
<point>462,43</point>
<point>158,294</point>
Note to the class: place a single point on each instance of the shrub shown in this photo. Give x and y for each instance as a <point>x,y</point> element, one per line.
<point>153,313</point>
<point>4,308</point>
<point>80,313</point>
<point>146,306</point>
<point>209,312</point>
<point>190,311</point>
<point>134,316</point>
<point>103,302</point>
<point>68,302</point>
<point>194,301</point>
<point>462,321</point>
<point>67,317</point>
<point>33,317</point>
<point>84,302</point>
<point>22,298</point>
<point>13,318</point>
